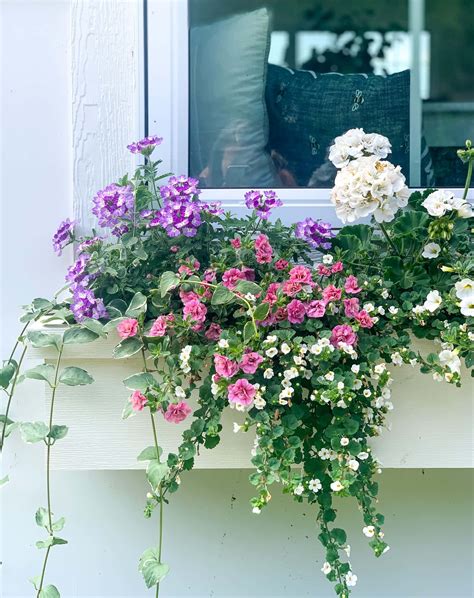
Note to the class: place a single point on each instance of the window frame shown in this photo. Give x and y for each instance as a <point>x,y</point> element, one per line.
<point>166,112</point>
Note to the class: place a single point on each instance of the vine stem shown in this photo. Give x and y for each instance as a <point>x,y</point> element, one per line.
<point>48,466</point>
<point>325,528</point>
<point>468,178</point>
<point>10,395</point>
<point>386,235</point>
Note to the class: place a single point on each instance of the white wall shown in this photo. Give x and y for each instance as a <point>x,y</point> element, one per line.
<point>213,543</point>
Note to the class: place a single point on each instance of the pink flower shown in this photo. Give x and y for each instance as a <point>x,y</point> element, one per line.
<point>177,412</point>
<point>337,267</point>
<point>127,328</point>
<point>213,333</point>
<point>231,277</point>
<point>174,249</point>
<point>195,310</point>
<point>184,270</point>
<point>323,270</point>
<point>138,400</point>
<point>343,333</point>
<point>249,273</point>
<point>301,274</point>
<point>331,293</point>
<point>159,326</point>
<point>351,307</point>
<point>351,285</point>
<point>242,392</point>
<point>292,287</point>
<point>281,264</point>
<point>210,275</point>
<point>271,296</point>
<point>225,367</point>
<point>187,296</point>
<point>364,319</point>
<point>281,314</point>
<point>263,250</point>
<point>296,311</point>
<point>250,362</point>
<point>236,243</point>
<point>315,309</point>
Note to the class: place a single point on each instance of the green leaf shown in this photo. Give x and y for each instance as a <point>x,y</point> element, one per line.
<point>155,472</point>
<point>409,221</point>
<point>41,517</point>
<point>247,286</point>
<point>168,281</point>
<point>150,454</point>
<point>127,348</point>
<point>73,376</point>
<point>59,524</point>
<point>58,432</point>
<point>139,381</point>
<point>262,311</point>
<point>33,431</point>
<point>42,372</point>
<point>339,536</point>
<point>112,324</point>
<point>6,374</point>
<point>79,335</point>
<point>127,410</point>
<point>222,295</point>
<point>150,567</point>
<point>49,591</point>
<point>51,541</point>
<point>249,331</point>
<point>4,481</point>
<point>44,339</point>
<point>94,326</point>
<point>137,306</point>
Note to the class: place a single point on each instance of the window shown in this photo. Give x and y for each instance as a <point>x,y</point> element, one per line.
<point>267,85</point>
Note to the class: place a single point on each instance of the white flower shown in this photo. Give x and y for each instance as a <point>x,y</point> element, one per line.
<point>223,344</point>
<point>363,455</point>
<point>299,490</point>
<point>355,143</point>
<point>268,373</point>
<point>367,393</point>
<point>357,384</point>
<point>328,259</point>
<point>315,485</point>
<point>326,568</point>
<point>271,339</point>
<point>433,301</point>
<point>329,376</point>
<point>431,250</point>
<point>438,203</point>
<point>324,454</point>
<point>237,427</point>
<point>467,306</point>
<point>257,510</point>
<point>344,441</point>
<point>381,310</point>
<point>271,352</point>
<point>259,402</point>
<point>379,368</point>
<point>437,377</point>
<point>355,368</point>
<point>396,358</point>
<point>464,288</point>
<point>465,210</point>
<point>336,486</point>
<point>369,307</point>
<point>353,464</point>
<point>285,348</point>
<point>393,310</point>
<point>450,360</point>
<point>384,294</point>
<point>419,309</point>
<point>351,579</point>
<point>179,392</point>
<point>291,373</point>
<point>369,531</point>
<point>347,550</point>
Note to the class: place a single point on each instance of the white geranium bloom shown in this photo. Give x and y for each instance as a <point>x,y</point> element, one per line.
<point>326,568</point>
<point>315,485</point>
<point>450,360</point>
<point>438,203</point>
<point>356,143</point>
<point>431,250</point>
<point>464,288</point>
<point>465,210</point>
<point>351,579</point>
<point>299,490</point>
<point>369,531</point>
<point>433,301</point>
<point>336,486</point>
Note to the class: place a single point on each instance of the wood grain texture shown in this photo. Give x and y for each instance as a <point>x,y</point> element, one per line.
<point>105,96</point>
<point>431,425</point>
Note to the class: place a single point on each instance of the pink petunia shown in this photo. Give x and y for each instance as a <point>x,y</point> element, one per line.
<point>177,412</point>
<point>351,285</point>
<point>127,328</point>
<point>323,270</point>
<point>249,273</point>
<point>187,296</point>
<point>210,275</point>
<point>236,243</point>
<point>301,274</point>
<point>337,267</point>
<point>271,297</point>
<point>250,362</point>
<point>195,310</point>
<point>213,333</point>
<point>364,319</point>
<point>351,307</point>
<point>281,314</point>
<point>241,392</point>
<point>159,326</point>
<point>292,287</point>
<point>231,277</point>
<point>296,311</point>
<point>281,264</point>
<point>315,309</point>
<point>138,400</point>
<point>343,333</point>
<point>331,293</point>
<point>225,367</point>
<point>263,249</point>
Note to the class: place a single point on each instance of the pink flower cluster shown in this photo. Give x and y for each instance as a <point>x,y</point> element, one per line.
<point>127,328</point>
<point>177,412</point>
<point>232,276</point>
<point>227,368</point>
<point>160,325</point>
<point>263,250</point>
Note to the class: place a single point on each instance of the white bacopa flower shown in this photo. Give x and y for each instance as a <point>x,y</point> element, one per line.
<point>450,360</point>
<point>467,306</point>
<point>237,427</point>
<point>223,344</point>
<point>367,393</point>
<point>419,309</point>
<point>344,441</point>
<point>437,377</point>
<point>369,307</point>
<point>256,510</point>
<point>271,352</point>
<point>326,568</point>
<point>347,550</point>
<point>363,455</point>
<point>464,288</point>
<point>299,490</point>
<point>353,464</point>
<point>381,310</point>
<point>286,393</point>
<point>470,336</point>
<point>285,348</point>
<point>384,294</point>
<point>393,310</point>
<point>357,384</point>
<point>433,301</point>
<point>268,373</point>
<point>396,358</point>
<point>259,402</point>
<point>336,486</point>
<point>298,360</point>
<point>179,392</point>
<point>438,203</point>
<point>369,531</point>
<point>431,250</point>
<point>329,376</point>
<point>355,368</point>
<point>351,579</point>
<point>291,373</point>
<point>324,454</point>
<point>251,298</point>
<point>380,368</point>
<point>328,259</point>
<point>315,485</point>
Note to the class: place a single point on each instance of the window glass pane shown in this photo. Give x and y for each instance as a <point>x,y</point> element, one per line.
<point>273,82</point>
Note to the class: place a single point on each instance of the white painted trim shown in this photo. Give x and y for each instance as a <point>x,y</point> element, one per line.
<point>416,12</point>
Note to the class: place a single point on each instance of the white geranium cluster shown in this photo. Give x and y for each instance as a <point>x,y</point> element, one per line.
<point>356,143</point>
<point>440,202</point>
<point>368,186</point>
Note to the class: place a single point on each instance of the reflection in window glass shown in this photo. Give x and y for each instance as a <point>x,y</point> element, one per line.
<point>273,82</point>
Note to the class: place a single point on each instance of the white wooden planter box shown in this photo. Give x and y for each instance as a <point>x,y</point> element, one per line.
<point>431,424</point>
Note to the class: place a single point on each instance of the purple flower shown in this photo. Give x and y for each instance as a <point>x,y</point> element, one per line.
<point>86,244</point>
<point>180,186</point>
<point>145,146</point>
<point>214,208</point>
<point>77,272</point>
<point>64,235</point>
<point>315,232</point>
<point>85,304</point>
<point>262,203</point>
<point>113,203</point>
<point>179,216</point>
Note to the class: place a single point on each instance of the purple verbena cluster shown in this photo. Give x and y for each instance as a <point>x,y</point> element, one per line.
<point>262,203</point>
<point>145,145</point>
<point>76,274</point>
<point>315,232</point>
<point>85,304</point>
<point>180,186</point>
<point>64,235</point>
<point>112,204</point>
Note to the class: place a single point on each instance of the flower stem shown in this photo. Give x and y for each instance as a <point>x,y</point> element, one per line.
<point>386,235</point>
<point>468,178</point>
<point>11,394</point>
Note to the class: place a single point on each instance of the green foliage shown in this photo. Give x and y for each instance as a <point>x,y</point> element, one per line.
<point>140,381</point>
<point>79,335</point>
<point>151,568</point>
<point>74,376</point>
<point>127,348</point>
